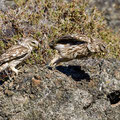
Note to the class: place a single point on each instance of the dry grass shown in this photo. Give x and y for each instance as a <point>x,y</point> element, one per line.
<point>47,20</point>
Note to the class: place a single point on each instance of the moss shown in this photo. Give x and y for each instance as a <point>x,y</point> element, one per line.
<point>47,20</point>
<point>20,2</point>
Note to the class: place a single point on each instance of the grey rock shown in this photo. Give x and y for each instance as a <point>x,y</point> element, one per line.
<point>71,92</point>
<point>2,5</point>
<point>110,9</point>
<point>6,4</point>
<point>105,70</point>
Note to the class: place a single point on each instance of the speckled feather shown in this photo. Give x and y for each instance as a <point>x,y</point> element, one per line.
<point>17,53</point>
<point>70,39</point>
<point>12,52</point>
<point>75,47</point>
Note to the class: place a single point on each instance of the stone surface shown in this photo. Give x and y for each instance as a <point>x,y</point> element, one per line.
<point>76,90</point>
<point>111,11</point>
<point>6,4</point>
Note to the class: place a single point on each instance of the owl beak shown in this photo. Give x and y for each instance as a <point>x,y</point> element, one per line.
<point>103,48</point>
<point>36,44</point>
<point>52,45</point>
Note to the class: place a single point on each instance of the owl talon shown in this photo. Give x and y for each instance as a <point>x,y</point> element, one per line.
<point>50,66</point>
<point>14,70</point>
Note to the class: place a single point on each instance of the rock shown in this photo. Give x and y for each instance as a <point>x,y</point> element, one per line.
<point>1,118</point>
<point>110,10</point>
<point>5,4</point>
<point>2,5</point>
<point>11,85</point>
<point>19,100</point>
<point>105,71</point>
<point>9,93</point>
<point>72,91</point>
<point>35,82</point>
<point>117,74</point>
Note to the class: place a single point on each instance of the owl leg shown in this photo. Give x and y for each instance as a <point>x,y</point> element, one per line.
<point>55,60</point>
<point>4,67</point>
<point>14,70</point>
<point>8,75</point>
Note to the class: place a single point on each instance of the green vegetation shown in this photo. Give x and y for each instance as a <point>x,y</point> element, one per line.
<point>45,20</point>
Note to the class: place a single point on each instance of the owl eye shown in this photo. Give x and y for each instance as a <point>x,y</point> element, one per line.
<point>33,42</point>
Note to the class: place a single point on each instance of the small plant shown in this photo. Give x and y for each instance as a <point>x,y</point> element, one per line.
<point>47,20</point>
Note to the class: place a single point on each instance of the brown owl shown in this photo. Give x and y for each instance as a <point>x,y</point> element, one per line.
<point>71,47</point>
<point>17,53</point>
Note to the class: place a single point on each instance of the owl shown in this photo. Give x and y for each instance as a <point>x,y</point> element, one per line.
<point>17,53</point>
<point>74,46</point>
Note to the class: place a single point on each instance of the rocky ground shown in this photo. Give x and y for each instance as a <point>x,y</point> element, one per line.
<point>76,90</point>
<point>110,10</point>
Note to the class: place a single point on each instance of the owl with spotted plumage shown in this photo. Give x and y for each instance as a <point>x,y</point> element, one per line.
<point>17,53</point>
<point>74,46</point>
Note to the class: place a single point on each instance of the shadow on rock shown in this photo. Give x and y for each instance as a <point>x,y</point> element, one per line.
<point>114,97</point>
<point>3,77</point>
<point>75,72</point>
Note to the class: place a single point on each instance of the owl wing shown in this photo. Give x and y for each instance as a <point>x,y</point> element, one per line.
<point>15,52</point>
<point>70,39</point>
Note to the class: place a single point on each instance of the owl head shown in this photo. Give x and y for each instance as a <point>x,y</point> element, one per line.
<point>96,47</point>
